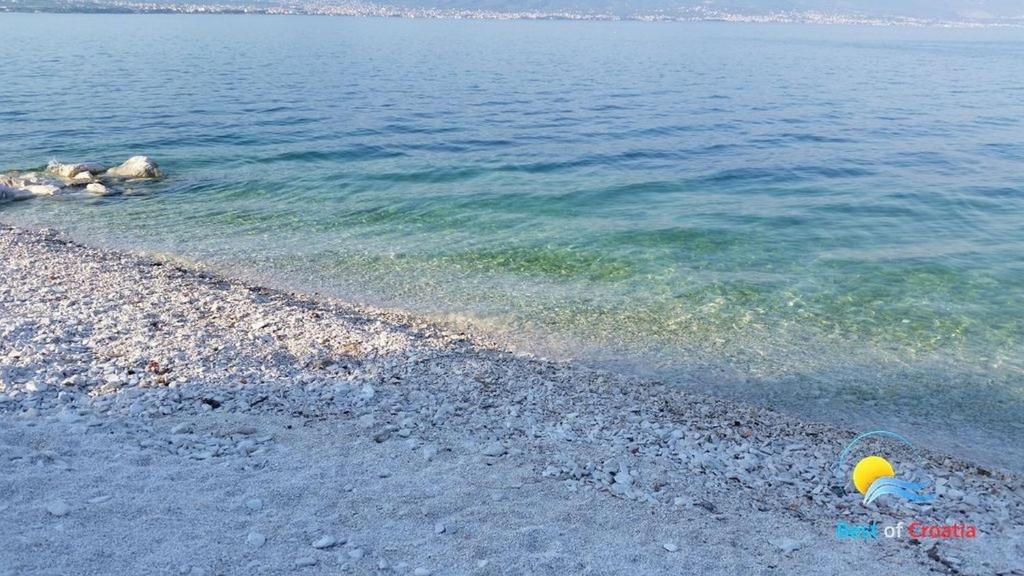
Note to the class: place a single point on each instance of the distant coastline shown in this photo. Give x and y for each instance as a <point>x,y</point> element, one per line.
<point>374,10</point>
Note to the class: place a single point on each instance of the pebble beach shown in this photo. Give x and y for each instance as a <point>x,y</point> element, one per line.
<point>156,418</point>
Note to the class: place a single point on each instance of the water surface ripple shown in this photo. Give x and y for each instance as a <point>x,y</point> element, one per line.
<point>825,219</point>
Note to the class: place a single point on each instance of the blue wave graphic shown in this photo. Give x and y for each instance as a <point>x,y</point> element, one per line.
<point>903,488</point>
<point>846,451</point>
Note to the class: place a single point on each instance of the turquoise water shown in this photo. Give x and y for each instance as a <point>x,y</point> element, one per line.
<point>826,219</point>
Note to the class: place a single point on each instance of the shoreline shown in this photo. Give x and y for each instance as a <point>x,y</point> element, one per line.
<point>362,433</point>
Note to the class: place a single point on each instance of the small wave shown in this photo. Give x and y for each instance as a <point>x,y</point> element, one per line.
<point>431,176</point>
<point>342,155</point>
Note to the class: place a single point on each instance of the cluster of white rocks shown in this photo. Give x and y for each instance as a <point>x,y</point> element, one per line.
<point>297,434</point>
<point>90,177</point>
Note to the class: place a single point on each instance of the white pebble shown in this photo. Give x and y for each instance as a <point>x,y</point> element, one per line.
<point>323,542</point>
<point>787,545</point>
<point>254,504</point>
<point>494,450</point>
<point>255,539</point>
<point>429,451</point>
<point>57,508</point>
<point>671,547</point>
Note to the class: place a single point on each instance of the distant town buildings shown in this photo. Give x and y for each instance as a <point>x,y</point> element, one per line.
<point>357,8</point>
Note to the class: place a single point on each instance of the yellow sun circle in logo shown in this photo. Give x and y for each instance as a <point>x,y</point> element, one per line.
<point>870,469</point>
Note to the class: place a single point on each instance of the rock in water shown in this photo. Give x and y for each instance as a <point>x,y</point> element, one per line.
<point>97,189</point>
<point>8,193</point>
<point>42,189</point>
<point>82,178</point>
<point>72,170</point>
<point>137,167</point>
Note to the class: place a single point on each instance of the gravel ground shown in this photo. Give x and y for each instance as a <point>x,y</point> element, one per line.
<point>156,419</point>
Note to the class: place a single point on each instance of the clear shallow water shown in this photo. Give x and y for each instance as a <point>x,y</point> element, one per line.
<point>827,219</point>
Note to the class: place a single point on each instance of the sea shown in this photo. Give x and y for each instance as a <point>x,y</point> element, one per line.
<point>826,220</point>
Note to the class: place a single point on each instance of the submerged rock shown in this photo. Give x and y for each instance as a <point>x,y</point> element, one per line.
<point>137,167</point>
